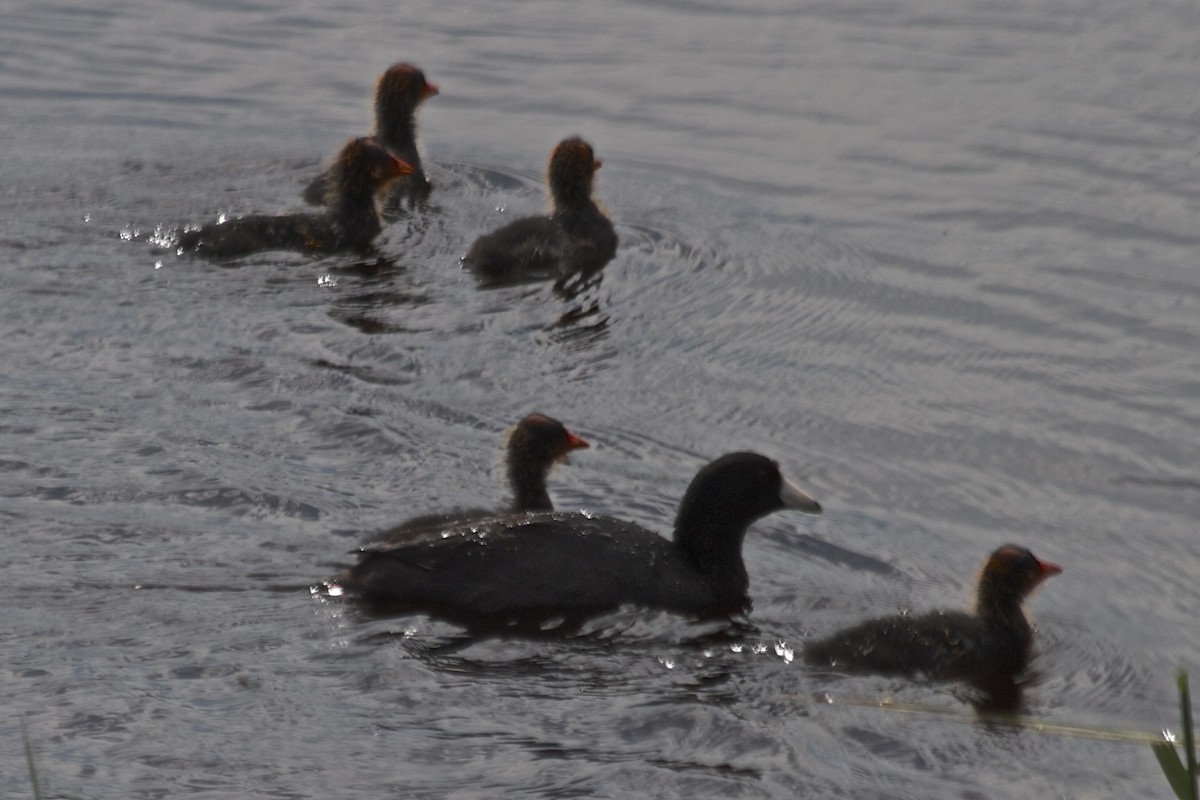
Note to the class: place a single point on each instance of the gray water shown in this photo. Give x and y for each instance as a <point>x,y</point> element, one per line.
<point>938,259</point>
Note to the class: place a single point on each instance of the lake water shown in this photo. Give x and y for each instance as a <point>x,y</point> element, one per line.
<point>938,259</point>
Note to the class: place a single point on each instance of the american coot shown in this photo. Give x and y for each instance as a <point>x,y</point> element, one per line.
<point>349,223</point>
<point>992,643</point>
<point>573,241</point>
<point>398,93</point>
<point>521,571</point>
<point>535,445</point>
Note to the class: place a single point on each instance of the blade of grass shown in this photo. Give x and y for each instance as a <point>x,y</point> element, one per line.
<point>1173,769</point>
<point>33,776</point>
<point>1189,741</point>
<point>967,717</point>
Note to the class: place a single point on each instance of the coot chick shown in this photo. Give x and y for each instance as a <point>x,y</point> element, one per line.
<point>398,94</point>
<point>350,222</point>
<point>520,572</point>
<point>535,445</point>
<point>993,643</point>
<point>575,240</point>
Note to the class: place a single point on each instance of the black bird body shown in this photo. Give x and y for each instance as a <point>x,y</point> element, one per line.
<point>599,565</point>
<point>937,644</point>
<point>995,641</point>
<point>524,569</point>
<point>350,222</point>
<point>575,239</point>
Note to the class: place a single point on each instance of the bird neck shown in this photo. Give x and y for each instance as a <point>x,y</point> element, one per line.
<point>528,488</point>
<point>573,200</point>
<point>398,133</point>
<point>1000,607</point>
<point>357,212</point>
<point>711,540</point>
<point>1007,628</point>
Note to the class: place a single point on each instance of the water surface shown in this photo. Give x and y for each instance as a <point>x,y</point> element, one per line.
<point>938,260</point>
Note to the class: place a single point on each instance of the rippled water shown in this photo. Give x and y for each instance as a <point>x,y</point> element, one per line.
<point>938,259</point>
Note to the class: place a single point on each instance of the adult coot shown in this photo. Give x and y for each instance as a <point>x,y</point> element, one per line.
<point>398,94</point>
<point>535,445</point>
<point>992,643</point>
<point>349,223</point>
<point>521,571</point>
<point>574,241</point>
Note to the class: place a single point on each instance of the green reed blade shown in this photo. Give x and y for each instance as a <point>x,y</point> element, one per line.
<point>33,776</point>
<point>1189,741</point>
<point>1173,769</point>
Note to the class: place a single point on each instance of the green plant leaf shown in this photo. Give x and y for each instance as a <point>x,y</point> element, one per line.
<point>1189,738</point>
<point>1172,767</point>
<point>33,776</point>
